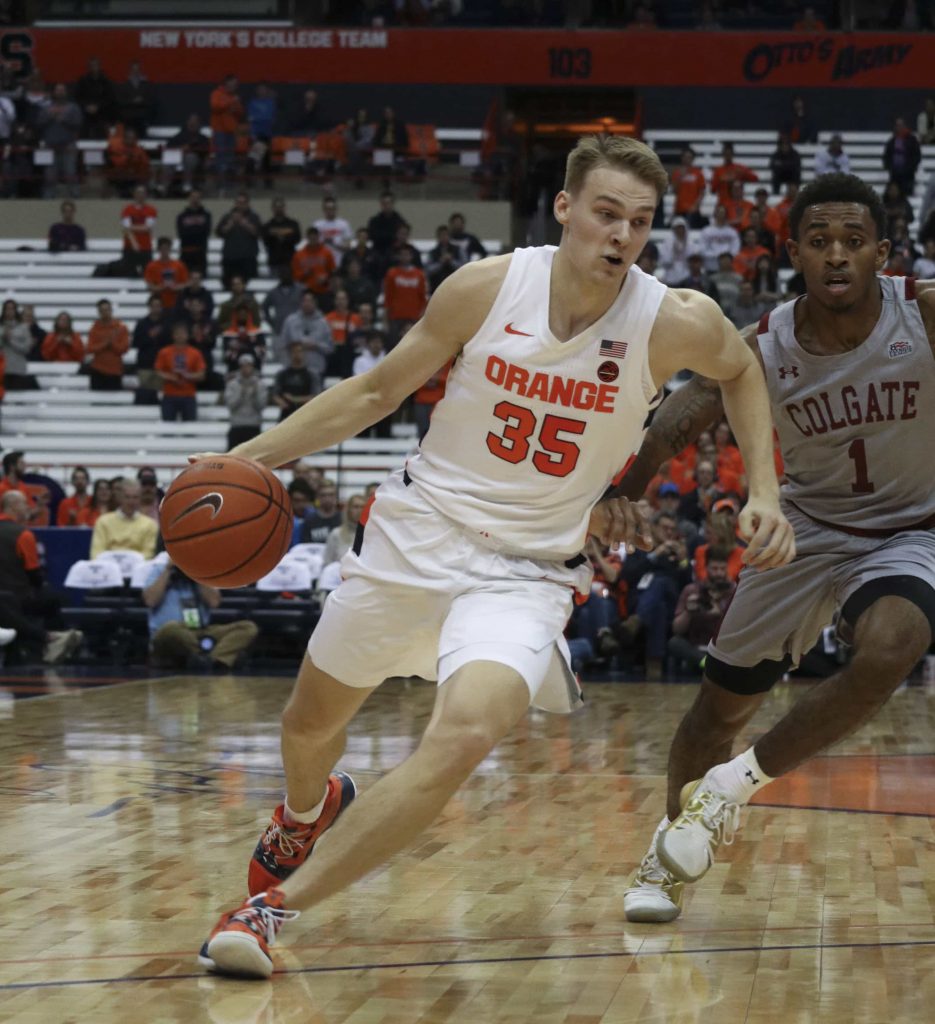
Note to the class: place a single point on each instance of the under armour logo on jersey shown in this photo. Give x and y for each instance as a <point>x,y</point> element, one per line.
<point>788,371</point>
<point>900,348</point>
<point>752,777</point>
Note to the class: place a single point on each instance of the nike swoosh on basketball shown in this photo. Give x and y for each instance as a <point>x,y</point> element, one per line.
<point>510,329</point>
<point>214,501</point>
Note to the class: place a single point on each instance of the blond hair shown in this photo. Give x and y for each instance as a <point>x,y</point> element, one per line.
<point>616,151</point>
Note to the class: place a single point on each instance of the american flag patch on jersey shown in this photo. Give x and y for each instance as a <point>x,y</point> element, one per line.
<point>614,349</point>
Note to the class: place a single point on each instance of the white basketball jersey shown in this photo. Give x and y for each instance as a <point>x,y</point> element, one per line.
<point>532,430</point>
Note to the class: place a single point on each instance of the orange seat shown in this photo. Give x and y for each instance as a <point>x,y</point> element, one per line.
<point>423,142</point>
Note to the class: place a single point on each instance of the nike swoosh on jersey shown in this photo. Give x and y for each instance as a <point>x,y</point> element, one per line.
<point>510,329</point>
<point>213,500</point>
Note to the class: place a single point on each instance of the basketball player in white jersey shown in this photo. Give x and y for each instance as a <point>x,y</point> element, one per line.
<point>851,375</point>
<point>467,564</point>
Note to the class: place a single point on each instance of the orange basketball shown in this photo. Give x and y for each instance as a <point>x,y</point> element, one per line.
<point>226,521</point>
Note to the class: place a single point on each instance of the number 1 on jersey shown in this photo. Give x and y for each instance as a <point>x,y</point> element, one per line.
<point>858,452</point>
<point>558,455</point>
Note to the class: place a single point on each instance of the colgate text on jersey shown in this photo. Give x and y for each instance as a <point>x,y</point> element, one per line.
<point>551,387</point>
<point>874,403</point>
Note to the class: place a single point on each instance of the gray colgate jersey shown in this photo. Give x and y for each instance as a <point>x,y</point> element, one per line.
<point>857,429</point>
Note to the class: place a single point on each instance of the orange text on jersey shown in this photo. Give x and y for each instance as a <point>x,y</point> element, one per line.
<point>548,387</point>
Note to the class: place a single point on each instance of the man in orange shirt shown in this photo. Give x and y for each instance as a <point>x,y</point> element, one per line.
<point>138,220</point>
<point>128,163</point>
<point>724,176</point>
<point>70,509</point>
<point>14,466</point>
<point>227,118</point>
<point>165,276</point>
<point>313,264</point>
<point>736,207</point>
<point>688,183</point>
<point>181,366</point>
<point>770,217</point>
<point>405,294</point>
<point>427,397</point>
<point>343,322</point>
<point>750,252</point>
<point>108,340</point>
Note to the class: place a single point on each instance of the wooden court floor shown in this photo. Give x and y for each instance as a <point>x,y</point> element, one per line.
<point>128,814</point>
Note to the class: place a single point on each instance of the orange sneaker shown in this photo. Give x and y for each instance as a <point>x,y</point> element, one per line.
<point>239,944</point>
<point>282,848</point>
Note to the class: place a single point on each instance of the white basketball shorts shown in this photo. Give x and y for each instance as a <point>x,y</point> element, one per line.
<point>421,597</point>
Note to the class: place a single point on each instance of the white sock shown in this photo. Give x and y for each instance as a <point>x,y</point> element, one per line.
<point>739,779</point>
<point>305,817</point>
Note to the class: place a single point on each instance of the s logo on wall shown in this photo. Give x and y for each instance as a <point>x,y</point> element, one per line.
<point>17,49</point>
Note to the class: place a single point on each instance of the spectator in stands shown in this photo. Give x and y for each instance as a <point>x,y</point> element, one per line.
<point>313,264</point>
<point>32,608</point>
<point>128,163</point>
<point>924,266</point>
<point>165,276</point>
<point>72,509</point>
<point>737,208</point>
<point>470,246</point>
<point>443,260</point>
<point>63,343</point>
<point>728,172</point>
<point>202,336</point>
<point>717,238</point>
<point>196,291</point>
<point>180,366</point>
<point>35,97</point>
<point>809,22</point>
<point>674,252</point>
<point>373,353</point>
<point>36,331</point>
<point>358,140</point>
<point>261,117</point>
<point>333,230</point>
<point>341,538</point>
<point>245,398</point>
<point>695,502</point>
<point>281,235</point>
<point>7,118</point>
<point>66,235</point>
<point>897,207</point>
<point>391,134</point>
<point>371,262</point>
<point>699,611</point>
<point>227,119</point>
<point>720,531</point>
<point>150,335</point>
<point>136,100</point>
<point>746,309</point>
<point>59,125</point>
<point>294,384</point>
<point>324,517</point>
<point>358,337</point>
<point>19,173</point>
<point>281,302</point>
<point>688,184</point>
<point>108,341</point>
<point>116,492</point>
<point>785,164</point>
<point>311,329</point>
<point>770,219</point>
<point>382,226</point>
<point>241,229</point>
<point>727,281</point>
<point>800,127</point>
<point>900,242</point>
<point>195,149</point>
<point>750,252</point>
<point>239,298</point>
<point>138,221</point>
<point>193,227</point>
<point>309,119</point>
<point>405,294</point>
<point>14,469</point>
<point>94,94</point>
<point>150,495</point>
<point>925,123</point>
<point>766,281</point>
<point>902,156</point>
<point>427,397</point>
<point>242,338</point>
<point>833,159</point>
<point>127,529</point>
<point>15,345</point>
<point>655,579</point>
<point>698,278</point>
<point>764,236</point>
<point>100,504</point>
<point>180,630</point>
<point>343,321</point>
<point>302,497</point>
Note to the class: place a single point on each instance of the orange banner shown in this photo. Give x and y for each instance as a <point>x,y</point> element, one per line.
<point>482,57</point>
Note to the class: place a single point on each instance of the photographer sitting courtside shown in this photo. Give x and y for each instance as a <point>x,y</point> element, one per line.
<point>699,611</point>
<point>180,630</point>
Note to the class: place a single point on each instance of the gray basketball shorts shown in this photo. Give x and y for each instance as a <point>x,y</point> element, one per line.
<point>777,615</point>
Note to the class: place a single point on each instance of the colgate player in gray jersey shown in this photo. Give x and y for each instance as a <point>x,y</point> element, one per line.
<point>850,369</point>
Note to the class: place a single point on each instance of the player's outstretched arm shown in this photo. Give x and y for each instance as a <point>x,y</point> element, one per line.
<point>454,314</point>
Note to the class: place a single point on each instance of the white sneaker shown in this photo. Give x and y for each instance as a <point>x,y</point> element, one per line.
<point>7,636</point>
<point>654,896</point>
<point>60,645</point>
<point>687,846</point>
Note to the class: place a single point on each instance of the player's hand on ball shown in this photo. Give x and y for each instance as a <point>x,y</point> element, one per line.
<point>769,536</point>
<point>617,521</point>
<point>201,456</point>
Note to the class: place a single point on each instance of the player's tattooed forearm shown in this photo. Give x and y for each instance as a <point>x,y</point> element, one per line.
<point>696,406</point>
